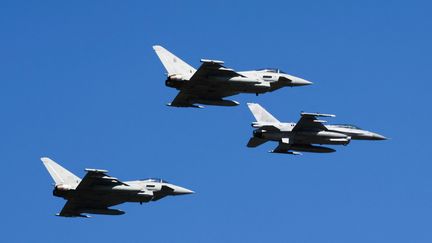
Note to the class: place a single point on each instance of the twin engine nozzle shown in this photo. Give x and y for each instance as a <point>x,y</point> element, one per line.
<point>61,189</point>
<point>175,81</point>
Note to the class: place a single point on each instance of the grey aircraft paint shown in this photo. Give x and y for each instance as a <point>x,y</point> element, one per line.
<point>304,136</point>
<point>97,191</point>
<point>212,81</point>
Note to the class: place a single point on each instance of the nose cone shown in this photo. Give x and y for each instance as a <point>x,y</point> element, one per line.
<point>292,81</point>
<point>371,136</point>
<point>299,82</point>
<point>178,190</point>
<point>376,136</point>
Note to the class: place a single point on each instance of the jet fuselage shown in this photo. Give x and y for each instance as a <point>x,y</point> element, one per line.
<point>212,81</point>
<point>255,82</point>
<point>134,191</point>
<point>335,134</point>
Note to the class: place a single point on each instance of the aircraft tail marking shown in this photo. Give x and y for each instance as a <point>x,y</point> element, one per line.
<point>59,174</point>
<point>173,64</point>
<point>261,114</point>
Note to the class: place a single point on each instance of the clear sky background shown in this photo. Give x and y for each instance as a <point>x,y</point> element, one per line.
<point>80,83</point>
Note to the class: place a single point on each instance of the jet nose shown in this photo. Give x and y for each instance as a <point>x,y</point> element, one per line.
<point>377,136</point>
<point>372,136</point>
<point>300,82</point>
<point>178,190</point>
<point>292,81</point>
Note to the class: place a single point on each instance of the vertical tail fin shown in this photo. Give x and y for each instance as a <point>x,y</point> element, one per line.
<point>260,114</point>
<point>59,174</point>
<point>173,64</point>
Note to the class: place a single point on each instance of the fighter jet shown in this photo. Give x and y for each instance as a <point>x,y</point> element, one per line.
<point>97,191</point>
<point>302,136</point>
<point>213,81</point>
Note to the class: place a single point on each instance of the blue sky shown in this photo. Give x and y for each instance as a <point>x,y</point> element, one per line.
<point>80,83</point>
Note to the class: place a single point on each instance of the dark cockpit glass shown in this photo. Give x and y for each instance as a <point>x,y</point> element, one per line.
<point>271,70</point>
<point>155,180</point>
<point>348,126</point>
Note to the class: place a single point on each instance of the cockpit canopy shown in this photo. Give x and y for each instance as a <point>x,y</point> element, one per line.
<point>155,180</point>
<point>347,126</point>
<point>271,70</point>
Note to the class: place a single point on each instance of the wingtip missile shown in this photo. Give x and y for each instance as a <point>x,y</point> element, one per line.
<point>316,114</point>
<point>78,215</point>
<point>212,61</point>
<point>285,152</point>
<point>191,105</point>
